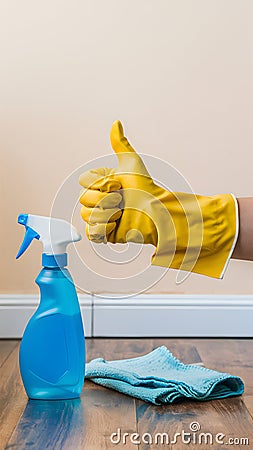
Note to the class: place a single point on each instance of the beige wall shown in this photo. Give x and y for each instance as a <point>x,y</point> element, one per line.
<point>177,73</point>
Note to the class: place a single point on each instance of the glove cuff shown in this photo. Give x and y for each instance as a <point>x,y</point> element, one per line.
<point>207,245</point>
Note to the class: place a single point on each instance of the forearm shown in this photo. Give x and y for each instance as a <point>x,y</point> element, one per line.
<point>244,245</point>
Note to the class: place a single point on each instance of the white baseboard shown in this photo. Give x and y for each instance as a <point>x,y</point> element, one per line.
<point>164,315</point>
<point>16,310</point>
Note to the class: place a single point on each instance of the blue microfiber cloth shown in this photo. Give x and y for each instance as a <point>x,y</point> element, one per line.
<point>159,378</point>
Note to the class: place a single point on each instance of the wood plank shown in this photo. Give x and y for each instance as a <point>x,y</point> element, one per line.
<point>234,352</point>
<point>6,347</point>
<point>248,401</point>
<point>183,349</point>
<point>12,396</point>
<point>111,349</point>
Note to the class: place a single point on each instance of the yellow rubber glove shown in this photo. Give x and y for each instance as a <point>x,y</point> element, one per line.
<point>190,232</point>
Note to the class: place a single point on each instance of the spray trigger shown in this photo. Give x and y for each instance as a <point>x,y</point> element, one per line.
<point>30,234</point>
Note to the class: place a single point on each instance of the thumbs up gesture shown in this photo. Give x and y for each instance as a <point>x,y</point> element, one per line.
<point>115,201</point>
<point>123,204</point>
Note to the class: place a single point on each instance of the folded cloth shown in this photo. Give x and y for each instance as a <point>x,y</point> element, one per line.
<point>159,378</point>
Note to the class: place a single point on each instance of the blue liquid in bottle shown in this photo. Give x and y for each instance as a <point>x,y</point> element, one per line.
<point>52,351</point>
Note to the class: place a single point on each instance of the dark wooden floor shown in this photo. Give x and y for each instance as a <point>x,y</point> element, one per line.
<point>89,422</point>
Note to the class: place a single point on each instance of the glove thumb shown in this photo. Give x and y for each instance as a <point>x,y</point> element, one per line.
<point>119,142</point>
<point>129,160</point>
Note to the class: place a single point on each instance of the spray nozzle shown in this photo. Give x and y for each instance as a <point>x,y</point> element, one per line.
<point>55,234</point>
<point>30,234</point>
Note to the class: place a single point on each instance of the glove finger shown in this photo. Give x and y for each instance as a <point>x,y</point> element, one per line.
<point>101,178</point>
<point>92,198</point>
<point>98,233</point>
<point>99,215</point>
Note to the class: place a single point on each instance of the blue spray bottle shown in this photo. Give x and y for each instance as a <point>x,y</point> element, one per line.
<point>52,351</point>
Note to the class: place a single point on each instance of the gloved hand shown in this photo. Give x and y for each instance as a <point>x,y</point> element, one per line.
<point>190,232</point>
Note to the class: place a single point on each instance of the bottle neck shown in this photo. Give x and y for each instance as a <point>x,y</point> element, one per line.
<point>54,261</point>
